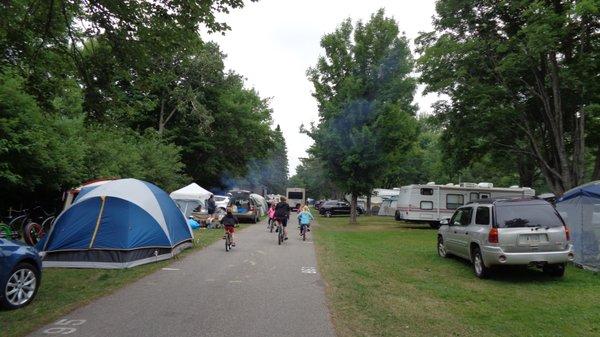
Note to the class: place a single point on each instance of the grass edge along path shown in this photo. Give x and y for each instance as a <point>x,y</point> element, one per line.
<point>64,290</point>
<point>384,278</point>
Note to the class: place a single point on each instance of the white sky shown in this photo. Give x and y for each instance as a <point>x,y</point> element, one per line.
<point>273,42</point>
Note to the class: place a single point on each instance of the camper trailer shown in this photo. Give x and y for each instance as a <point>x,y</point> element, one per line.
<point>295,197</point>
<point>432,202</point>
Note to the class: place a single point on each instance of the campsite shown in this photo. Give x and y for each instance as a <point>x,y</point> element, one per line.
<point>327,168</point>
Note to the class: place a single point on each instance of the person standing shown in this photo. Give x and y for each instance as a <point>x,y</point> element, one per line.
<point>282,214</point>
<point>211,207</point>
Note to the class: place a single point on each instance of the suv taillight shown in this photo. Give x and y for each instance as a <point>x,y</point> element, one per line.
<point>493,235</point>
<point>567,233</point>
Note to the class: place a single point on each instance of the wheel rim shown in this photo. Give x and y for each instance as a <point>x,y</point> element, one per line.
<point>20,287</point>
<point>441,249</point>
<point>477,264</point>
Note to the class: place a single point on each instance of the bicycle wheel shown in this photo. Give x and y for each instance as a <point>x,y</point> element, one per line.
<point>47,223</point>
<point>5,231</point>
<point>280,235</point>
<point>33,233</point>
<point>303,233</point>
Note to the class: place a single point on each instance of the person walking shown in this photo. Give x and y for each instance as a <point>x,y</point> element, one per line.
<point>282,214</point>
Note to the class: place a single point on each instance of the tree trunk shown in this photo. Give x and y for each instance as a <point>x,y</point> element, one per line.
<point>353,214</point>
<point>596,174</point>
<point>368,210</point>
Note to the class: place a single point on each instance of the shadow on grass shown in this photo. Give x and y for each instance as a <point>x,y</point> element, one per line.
<point>510,274</point>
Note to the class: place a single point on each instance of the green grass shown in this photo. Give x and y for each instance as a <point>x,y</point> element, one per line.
<point>385,279</point>
<point>64,290</point>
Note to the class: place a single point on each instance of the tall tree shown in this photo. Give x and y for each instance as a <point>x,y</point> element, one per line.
<point>522,78</point>
<point>364,93</point>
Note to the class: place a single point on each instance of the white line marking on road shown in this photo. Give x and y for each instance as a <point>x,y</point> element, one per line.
<point>235,281</point>
<point>230,266</point>
<point>253,263</point>
<point>261,252</point>
<point>171,269</point>
<point>210,280</point>
<point>309,270</point>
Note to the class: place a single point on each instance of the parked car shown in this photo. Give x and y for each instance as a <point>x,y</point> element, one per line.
<point>337,207</point>
<point>496,232</point>
<point>222,201</point>
<point>244,207</point>
<point>20,273</point>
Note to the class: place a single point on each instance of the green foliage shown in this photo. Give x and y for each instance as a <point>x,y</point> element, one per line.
<point>365,92</point>
<point>122,89</point>
<point>521,77</point>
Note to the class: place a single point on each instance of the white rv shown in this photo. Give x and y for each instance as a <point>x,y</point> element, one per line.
<point>432,203</point>
<point>295,197</point>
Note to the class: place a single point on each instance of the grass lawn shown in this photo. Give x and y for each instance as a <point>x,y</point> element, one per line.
<point>64,290</point>
<point>384,278</point>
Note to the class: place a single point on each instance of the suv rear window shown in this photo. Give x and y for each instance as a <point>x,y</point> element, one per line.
<point>514,216</point>
<point>295,195</point>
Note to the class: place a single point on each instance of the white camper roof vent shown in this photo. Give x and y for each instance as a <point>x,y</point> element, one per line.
<point>486,185</point>
<point>514,186</point>
<point>468,185</point>
<point>449,184</point>
<point>431,183</point>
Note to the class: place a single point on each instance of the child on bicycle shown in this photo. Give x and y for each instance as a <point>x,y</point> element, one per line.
<point>305,217</point>
<point>271,214</point>
<point>229,221</point>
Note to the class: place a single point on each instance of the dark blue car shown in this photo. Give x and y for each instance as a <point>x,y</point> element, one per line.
<point>20,274</point>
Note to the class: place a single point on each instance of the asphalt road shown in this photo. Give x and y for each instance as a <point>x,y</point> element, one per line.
<point>257,289</point>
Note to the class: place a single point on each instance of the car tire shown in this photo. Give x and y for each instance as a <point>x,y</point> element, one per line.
<point>23,272</point>
<point>441,248</point>
<point>555,270</point>
<point>328,214</point>
<point>479,267</point>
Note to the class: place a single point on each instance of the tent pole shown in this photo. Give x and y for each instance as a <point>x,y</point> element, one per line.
<point>98,222</point>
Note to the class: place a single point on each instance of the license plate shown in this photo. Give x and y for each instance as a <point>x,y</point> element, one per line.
<point>532,239</point>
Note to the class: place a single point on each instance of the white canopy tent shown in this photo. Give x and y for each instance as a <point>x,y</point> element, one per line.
<point>189,197</point>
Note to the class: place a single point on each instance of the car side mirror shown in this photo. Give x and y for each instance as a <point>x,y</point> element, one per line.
<point>445,222</point>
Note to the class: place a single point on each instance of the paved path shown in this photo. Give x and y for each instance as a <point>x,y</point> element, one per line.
<point>258,289</point>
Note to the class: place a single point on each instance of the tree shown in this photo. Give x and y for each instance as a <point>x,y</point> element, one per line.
<point>521,77</point>
<point>364,93</point>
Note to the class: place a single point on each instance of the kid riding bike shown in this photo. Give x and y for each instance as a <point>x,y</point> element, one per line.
<point>305,217</point>
<point>229,221</point>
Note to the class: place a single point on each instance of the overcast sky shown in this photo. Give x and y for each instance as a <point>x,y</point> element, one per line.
<point>273,42</point>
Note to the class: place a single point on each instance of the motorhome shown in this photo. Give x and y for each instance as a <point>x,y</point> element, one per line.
<point>432,202</point>
<point>296,197</point>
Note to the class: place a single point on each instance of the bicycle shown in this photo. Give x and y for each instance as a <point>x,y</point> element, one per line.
<point>303,230</point>
<point>270,225</point>
<point>228,241</point>
<point>14,224</point>
<point>280,235</point>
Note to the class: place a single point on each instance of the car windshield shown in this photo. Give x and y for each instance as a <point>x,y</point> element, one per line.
<point>330,203</point>
<point>514,216</point>
<point>220,198</point>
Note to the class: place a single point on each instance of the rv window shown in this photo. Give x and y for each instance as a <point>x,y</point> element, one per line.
<point>483,216</point>
<point>454,201</point>
<point>295,195</point>
<point>427,191</point>
<point>473,196</point>
<point>485,196</point>
<point>426,204</point>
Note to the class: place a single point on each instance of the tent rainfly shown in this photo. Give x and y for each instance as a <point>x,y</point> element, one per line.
<point>580,208</point>
<point>189,197</point>
<point>121,224</point>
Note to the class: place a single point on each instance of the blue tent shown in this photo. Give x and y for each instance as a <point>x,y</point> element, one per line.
<point>580,208</point>
<point>123,223</point>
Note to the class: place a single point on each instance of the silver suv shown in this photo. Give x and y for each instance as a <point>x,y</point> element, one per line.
<point>507,232</point>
